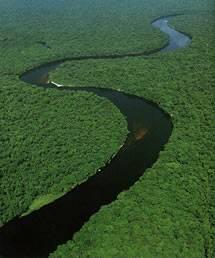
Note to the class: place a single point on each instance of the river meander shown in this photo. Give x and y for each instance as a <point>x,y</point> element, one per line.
<point>39,233</point>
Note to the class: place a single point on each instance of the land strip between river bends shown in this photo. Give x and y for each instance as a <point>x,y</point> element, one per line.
<point>39,233</point>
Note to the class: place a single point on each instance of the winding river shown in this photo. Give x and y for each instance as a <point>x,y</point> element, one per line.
<point>39,233</point>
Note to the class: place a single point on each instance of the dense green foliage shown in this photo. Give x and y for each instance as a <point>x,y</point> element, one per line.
<point>79,27</point>
<point>51,141</point>
<point>169,212</point>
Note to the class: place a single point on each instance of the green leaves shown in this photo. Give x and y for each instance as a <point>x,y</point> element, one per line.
<point>50,141</point>
<point>51,146</point>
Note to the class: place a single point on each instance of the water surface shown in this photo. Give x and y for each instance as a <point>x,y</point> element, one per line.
<point>39,233</point>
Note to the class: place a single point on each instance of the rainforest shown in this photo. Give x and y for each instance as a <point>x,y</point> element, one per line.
<point>107,127</point>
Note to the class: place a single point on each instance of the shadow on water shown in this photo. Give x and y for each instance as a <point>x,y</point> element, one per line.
<point>39,233</point>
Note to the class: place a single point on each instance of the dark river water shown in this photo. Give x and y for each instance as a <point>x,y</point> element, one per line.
<point>39,233</point>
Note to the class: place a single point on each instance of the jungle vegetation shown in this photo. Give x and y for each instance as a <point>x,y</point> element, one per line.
<point>50,141</point>
<point>169,212</point>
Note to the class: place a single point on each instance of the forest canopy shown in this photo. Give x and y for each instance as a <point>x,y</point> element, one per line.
<point>46,134</point>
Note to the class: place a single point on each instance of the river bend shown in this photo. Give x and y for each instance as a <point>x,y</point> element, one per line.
<point>39,233</point>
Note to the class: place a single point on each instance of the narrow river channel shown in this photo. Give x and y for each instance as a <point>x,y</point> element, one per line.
<point>39,233</point>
